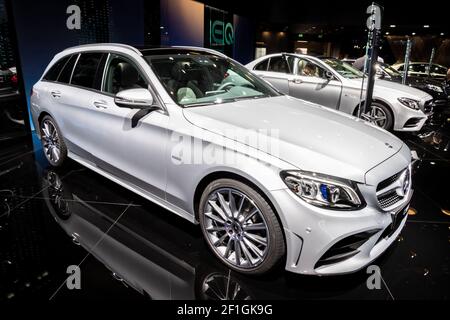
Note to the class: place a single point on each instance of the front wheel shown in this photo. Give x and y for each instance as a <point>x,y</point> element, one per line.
<point>380,115</point>
<point>240,227</point>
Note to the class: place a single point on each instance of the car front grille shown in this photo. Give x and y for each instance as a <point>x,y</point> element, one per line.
<point>394,189</point>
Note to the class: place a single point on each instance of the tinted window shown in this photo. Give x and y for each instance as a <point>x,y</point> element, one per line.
<point>54,71</point>
<point>66,72</point>
<point>122,74</point>
<point>262,66</point>
<point>417,68</point>
<point>438,69</point>
<point>85,71</point>
<point>278,64</point>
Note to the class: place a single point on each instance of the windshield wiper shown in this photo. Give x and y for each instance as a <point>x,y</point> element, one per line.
<point>200,104</point>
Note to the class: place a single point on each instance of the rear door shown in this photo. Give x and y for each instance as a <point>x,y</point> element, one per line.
<point>132,154</point>
<point>277,70</point>
<point>77,87</point>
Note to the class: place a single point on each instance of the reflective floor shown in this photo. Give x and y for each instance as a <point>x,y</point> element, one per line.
<point>129,248</point>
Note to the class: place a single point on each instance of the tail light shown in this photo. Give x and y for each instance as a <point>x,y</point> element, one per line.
<point>14,79</point>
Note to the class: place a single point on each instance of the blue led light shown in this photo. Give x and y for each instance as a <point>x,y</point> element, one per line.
<point>324,191</point>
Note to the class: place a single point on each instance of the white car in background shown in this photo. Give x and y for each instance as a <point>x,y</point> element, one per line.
<point>337,85</point>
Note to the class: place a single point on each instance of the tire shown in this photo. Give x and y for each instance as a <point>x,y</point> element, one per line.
<point>249,241</point>
<point>379,109</point>
<point>53,145</point>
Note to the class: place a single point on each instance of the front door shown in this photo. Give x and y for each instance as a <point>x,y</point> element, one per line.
<point>312,84</point>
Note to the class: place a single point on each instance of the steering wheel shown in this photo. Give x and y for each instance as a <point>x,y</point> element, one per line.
<point>225,85</point>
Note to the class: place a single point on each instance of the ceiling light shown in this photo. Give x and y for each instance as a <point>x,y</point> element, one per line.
<point>387,33</point>
<point>392,26</point>
<point>413,33</point>
<point>426,25</point>
<point>442,33</point>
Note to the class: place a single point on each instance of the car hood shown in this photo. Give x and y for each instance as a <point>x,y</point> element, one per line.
<point>400,90</point>
<point>309,137</point>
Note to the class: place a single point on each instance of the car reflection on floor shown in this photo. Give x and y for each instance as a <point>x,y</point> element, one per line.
<point>141,250</point>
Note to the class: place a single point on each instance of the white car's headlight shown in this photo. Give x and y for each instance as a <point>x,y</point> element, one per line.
<point>324,191</point>
<point>434,88</point>
<point>410,103</point>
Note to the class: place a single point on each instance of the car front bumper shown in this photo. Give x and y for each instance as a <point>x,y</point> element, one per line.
<point>407,119</point>
<point>321,241</point>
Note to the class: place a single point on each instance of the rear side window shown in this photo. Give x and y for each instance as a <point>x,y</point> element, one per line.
<point>262,66</point>
<point>86,70</point>
<point>55,69</point>
<point>66,72</point>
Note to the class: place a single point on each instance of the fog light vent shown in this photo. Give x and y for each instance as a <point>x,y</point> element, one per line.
<point>345,248</point>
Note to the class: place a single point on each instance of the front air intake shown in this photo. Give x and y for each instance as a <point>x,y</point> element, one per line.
<point>345,248</point>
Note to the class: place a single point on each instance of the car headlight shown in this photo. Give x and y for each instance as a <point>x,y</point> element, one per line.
<point>323,191</point>
<point>410,103</point>
<point>434,88</point>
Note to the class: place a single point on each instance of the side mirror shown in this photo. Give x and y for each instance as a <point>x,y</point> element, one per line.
<point>134,99</point>
<point>329,75</point>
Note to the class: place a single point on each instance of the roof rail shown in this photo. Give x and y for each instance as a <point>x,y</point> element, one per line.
<point>120,45</point>
<point>218,53</point>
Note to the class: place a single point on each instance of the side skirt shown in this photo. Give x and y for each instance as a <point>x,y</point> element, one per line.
<point>143,193</point>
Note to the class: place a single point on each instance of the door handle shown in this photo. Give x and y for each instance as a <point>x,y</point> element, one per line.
<point>55,94</point>
<point>297,80</point>
<point>101,104</point>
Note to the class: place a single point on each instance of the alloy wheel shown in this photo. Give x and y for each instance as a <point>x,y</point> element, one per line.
<point>377,116</point>
<point>236,228</point>
<point>51,142</point>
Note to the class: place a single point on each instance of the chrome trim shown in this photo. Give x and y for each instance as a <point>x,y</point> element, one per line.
<point>400,188</point>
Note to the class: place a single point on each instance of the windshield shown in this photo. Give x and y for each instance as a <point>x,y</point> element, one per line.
<point>194,79</point>
<point>344,69</point>
<point>389,70</point>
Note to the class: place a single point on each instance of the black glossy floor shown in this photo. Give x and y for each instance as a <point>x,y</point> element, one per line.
<point>126,246</point>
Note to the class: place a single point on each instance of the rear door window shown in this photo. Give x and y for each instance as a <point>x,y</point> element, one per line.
<point>278,64</point>
<point>66,72</point>
<point>88,70</point>
<point>262,66</point>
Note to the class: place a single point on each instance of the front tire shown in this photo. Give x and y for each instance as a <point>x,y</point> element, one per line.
<point>380,115</point>
<point>53,145</point>
<point>240,227</point>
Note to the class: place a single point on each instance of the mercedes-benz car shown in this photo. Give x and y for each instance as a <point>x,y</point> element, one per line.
<point>337,85</point>
<point>270,178</point>
<point>8,84</point>
<point>422,69</point>
<point>435,88</point>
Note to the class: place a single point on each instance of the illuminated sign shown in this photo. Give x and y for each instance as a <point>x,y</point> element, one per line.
<point>219,30</point>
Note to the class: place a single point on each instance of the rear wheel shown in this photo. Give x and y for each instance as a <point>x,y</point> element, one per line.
<point>53,145</point>
<point>240,227</point>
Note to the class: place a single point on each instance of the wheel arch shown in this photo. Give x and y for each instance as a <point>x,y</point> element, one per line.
<point>212,176</point>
